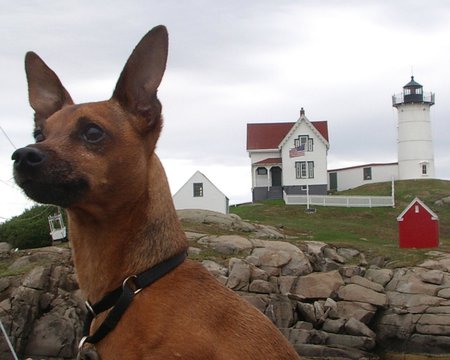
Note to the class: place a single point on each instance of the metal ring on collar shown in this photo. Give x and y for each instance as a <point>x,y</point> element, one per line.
<point>138,290</point>
<point>81,343</point>
<point>89,307</point>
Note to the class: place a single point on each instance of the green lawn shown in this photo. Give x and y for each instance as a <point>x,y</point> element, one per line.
<point>373,230</point>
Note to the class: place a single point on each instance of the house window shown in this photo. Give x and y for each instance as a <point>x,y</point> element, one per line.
<point>304,169</point>
<point>367,173</point>
<point>198,189</point>
<point>261,171</point>
<point>424,169</point>
<point>304,142</point>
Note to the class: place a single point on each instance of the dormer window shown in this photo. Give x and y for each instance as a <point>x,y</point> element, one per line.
<point>304,142</point>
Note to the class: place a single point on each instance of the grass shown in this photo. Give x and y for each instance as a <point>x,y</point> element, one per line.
<point>371,230</point>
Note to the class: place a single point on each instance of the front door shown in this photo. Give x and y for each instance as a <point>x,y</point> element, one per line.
<point>275,173</point>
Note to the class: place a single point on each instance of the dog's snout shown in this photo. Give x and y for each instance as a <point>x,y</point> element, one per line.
<point>27,157</point>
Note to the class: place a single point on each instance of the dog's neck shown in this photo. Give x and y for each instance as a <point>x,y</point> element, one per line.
<point>108,247</point>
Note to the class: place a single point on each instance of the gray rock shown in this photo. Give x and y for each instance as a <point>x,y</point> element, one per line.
<point>20,263</point>
<point>286,283</point>
<point>380,276</point>
<point>396,326</point>
<point>239,276</point>
<point>268,257</point>
<point>434,324</point>
<point>351,270</point>
<point>335,326</point>
<point>280,311</point>
<point>37,278</point>
<point>318,285</point>
<point>332,254</point>
<point>433,277</point>
<point>227,244</point>
<point>347,253</point>
<point>350,341</point>
<point>363,312</point>
<point>366,283</point>
<point>54,336</point>
<point>444,293</point>
<point>215,268</point>
<point>307,312</point>
<point>330,352</point>
<point>298,265</point>
<point>357,328</point>
<point>412,300</point>
<point>353,292</point>
<point>261,287</point>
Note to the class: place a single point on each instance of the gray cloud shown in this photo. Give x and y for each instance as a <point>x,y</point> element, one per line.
<point>236,62</point>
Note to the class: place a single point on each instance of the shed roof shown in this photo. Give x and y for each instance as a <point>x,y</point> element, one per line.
<point>422,204</point>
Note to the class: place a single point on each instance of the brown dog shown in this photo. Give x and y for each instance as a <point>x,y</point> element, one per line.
<point>97,160</point>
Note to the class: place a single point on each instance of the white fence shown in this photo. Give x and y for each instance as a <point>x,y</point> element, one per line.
<point>341,201</point>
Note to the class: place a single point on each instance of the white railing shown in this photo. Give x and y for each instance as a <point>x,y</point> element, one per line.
<point>338,200</point>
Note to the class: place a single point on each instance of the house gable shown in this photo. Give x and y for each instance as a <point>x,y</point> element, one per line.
<point>200,193</point>
<point>312,127</point>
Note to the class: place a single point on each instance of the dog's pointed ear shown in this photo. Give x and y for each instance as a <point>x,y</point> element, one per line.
<point>46,93</point>
<point>138,83</point>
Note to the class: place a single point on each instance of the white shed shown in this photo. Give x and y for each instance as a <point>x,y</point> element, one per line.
<point>200,193</point>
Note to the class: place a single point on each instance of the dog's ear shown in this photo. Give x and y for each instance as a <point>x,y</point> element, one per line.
<point>138,83</point>
<point>46,93</point>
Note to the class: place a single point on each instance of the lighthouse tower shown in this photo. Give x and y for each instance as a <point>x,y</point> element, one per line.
<point>415,146</point>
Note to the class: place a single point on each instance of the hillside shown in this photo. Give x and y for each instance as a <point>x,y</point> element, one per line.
<point>371,230</point>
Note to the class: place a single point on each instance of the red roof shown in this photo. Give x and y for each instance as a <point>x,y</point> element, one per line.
<point>269,161</point>
<point>270,135</point>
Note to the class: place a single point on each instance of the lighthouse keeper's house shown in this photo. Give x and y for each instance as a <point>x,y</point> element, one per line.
<point>289,157</point>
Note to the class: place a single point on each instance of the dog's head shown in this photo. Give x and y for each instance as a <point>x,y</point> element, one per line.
<point>95,150</point>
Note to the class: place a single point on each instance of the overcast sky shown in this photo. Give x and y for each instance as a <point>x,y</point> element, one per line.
<point>235,62</point>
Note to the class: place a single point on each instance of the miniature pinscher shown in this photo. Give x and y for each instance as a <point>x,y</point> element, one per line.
<point>97,160</point>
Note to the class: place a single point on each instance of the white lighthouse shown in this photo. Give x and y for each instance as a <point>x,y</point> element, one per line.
<point>415,145</point>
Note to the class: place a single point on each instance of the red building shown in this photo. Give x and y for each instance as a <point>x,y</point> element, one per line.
<point>418,226</point>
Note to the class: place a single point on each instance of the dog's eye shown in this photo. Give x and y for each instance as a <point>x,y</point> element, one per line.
<point>38,135</point>
<point>93,134</point>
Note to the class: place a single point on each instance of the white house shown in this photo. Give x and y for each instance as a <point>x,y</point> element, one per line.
<point>200,193</point>
<point>354,176</point>
<point>289,157</point>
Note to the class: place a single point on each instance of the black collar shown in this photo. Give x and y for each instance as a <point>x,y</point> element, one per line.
<point>119,299</point>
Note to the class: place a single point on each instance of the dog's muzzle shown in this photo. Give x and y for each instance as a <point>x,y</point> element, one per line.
<point>27,158</point>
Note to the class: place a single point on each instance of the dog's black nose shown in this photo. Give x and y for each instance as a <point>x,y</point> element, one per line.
<point>27,157</point>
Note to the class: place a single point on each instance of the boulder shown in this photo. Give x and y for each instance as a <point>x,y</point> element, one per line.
<point>334,326</point>
<point>357,328</point>
<point>434,324</point>
<point>318,285</point>
<point>366,283</point>
<point>280,311</point>
<point>433,277</point>
<point>261,287</point>
<point>363,312</point>
<point>239,275</point>
<point>227,244</point>
<point>268,257</point>
<point>380,276</point>
<point>298,265</point>
<point>354,292</point>
<point>215,268</point>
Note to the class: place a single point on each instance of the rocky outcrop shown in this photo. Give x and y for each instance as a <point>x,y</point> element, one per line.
<point>329,302</point>
<point>42,310</point>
